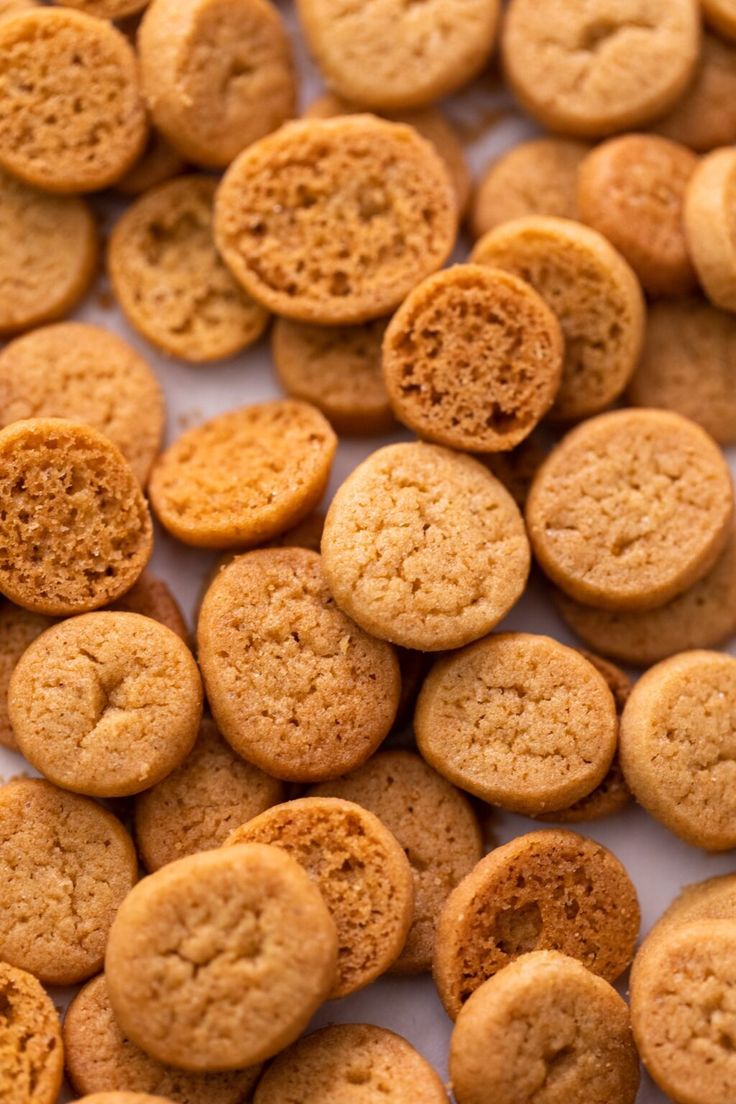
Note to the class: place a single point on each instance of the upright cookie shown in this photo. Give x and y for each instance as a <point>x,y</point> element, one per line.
<point>710,226</point>
<point>31,1052</point>
<point>151,597</point>
<point>18,629</point>
<point>705,117</point>
<point>721,14</point>
<point>713,899</point>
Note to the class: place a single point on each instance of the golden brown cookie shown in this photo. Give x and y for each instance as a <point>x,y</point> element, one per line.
<point>630,509</point>
<point>423,547</point>
<point>361,871</point>
<point>516,469</point>
<point>106,704</point>
<point>77,532</point>
<point>18,628</point>
<point>721,14</point>
<point>593,292</point>
<point>710,226</point>
<point>106,9</point>
<point>712,899</point>
<point>591,68</point>
<point>383,183</point>
<point>65,866</point>
<point>705,117</point>
<point>151,597</point>
<point>244,477</point>
<point>122,1098</point>
<point>548,890</point>
<point>435,825</point>
<point>305,534</point>
<point>170,281</point>
<point>519,720</point>
<point>544,1028</point>
<point>157,164</point>
<point>12,7</point>
<point>219,960</point>
<point>71,115</point>
<point>31,1052</point>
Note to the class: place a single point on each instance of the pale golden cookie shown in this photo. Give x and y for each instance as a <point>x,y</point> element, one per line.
<point>31,1052</point>
<point>280,200</point>
<point>157,164</point>
<point>705,117</point>
<point>710,225</point>
<point>423,547</point>
<point>18,628</point>
<point>721,14</point>
<point>151,597</point>
<point>516,469</point>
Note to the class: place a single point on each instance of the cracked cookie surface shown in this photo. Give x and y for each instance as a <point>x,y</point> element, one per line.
<point>31,1051</point>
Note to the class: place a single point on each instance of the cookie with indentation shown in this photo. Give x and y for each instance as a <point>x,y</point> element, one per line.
<point>548,890</point>
<point>151,597</point>
<point>31,1052</point>
<point>710,226</point>
<point>18,628</point>
<point>279,199</point>
<point>721,14</point>
<point>705,117</point>
<point>106,704</point>
<point>157,164</point>
<point>361,871</point>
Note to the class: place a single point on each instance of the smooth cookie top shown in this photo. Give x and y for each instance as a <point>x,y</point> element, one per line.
<point>710,226</point>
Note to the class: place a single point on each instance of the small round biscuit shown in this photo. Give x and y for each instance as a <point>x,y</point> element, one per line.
<point>106,9</point>
<point>385,185</point>
<point>18,629</point>
<point>710,225</point>
<point>472,359</point>
<point>361,871</point>
<point>157,164</point>
<point>705,117</point>
<point>151,597</point>
<point>721,14</point>
<point>630,509</point>
<point>423,547</point>
<point>106,704</point>
<point>595,295</point>
<point>31,1052</point>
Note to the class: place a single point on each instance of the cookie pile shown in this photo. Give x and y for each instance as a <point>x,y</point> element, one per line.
<point>232,827</point>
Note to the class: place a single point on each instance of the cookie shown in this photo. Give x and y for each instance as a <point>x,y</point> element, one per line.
<point>151,597</point>
<point>169,280</point>
<point>305,534</point>
<point>592,69</point>
<point>351,1064</point>
<point>516,469</point>
<point>631,509</point>
<point>472,359</point>
<point>65,865</point>
<point>77,530</point>
<point>87,374</point>
<point>244,477</point>
<point>99,1057</point>
<point>721,14</point>
<point>632,190</point>
<point>519,720</point>
<point>219,960</point>
<point>595,295</point>
<point>710,226</point>
<point>548,890</point>
<point>106,704</point>
<point>18,629</point>
<point>384,184</point>
<point>31,1054</point>
<point>413,667</point>
<point>712,899</point>
<point>397,522</point>
<point>157,164</point>
<point>71,115</point>
<point>106,9</point>
<point>544,1027</point>
<point>434,824</point>
<point>122,1098</point>
<point>338,370</point>
<point>705,117</point>
<point>216,74</point>
<point>361,871</point>
<point>390,56</point>
<point>12,7</point>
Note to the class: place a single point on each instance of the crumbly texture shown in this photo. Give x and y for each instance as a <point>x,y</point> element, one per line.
<point>423,547</point>
<point>591,69</point>
<point>721,14</point>
<point>630,509</point>
<point>31,1053</point>
<point>106,704</point>
<point>548,890</point>
<point>18,629</point>
<point>157,164</point>
<point>244,477</point>
<point>521,721</point>
<point>71,115</point>
<point>219,960</point>
<point>199,804</point>
<point>361,871</point>
<point>170,281</point>
<point>435,825</point>
<point>77,532</point>
<point>106,9</point>
<point>65,866</point>
<point>281,199</point>
<point>351,1064</point>
<point>632,189</point>
<point>548,1030</point>
<point>295,686</point>
<point>151,597</point>
<point>516,469</point>
<point>472,359</point>
<point>710,226</point>
<point>595,295</point>
<point>705,117</point>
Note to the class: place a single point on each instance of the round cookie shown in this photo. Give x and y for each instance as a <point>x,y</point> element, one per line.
<point>71,115</point>
<point>472,359</point>
<point>593,292</point>
<point>521,721</point>
<point>170,281</point>
<point>77,531</point>
<point>630,509</point>
<point>151,597</point>
<point>361,871</point>
<point>351,1064</point>
<point>122,1098</point>
<point>705,117</point>
<point>544,1027</point>
<point>390,56</point>
<point>244,477</point>
<point>592,68</point>
<point>106,704</point>
<point>65,866</point>
<point>87,374</point>
<point>713,899</point>
<point>18,629</point>
<point>632,190</point>
<point>397,522</point>
<point>548,890</point>
<point>106,9</point>
<point>710,226</point>
<point>389,192</point>
<point>157,164</point>
<point>219,960</point>
<point>435,825</point>
<point>721,14</point>
<point>516,469</point>
<point>31,1053</point>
